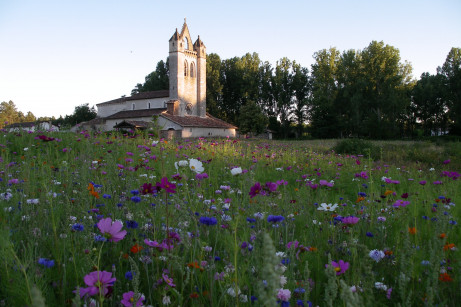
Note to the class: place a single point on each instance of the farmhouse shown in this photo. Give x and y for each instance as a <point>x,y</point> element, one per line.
<point>177,112</point>
<point>32,126</point>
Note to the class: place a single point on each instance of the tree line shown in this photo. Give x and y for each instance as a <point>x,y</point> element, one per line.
<point>355,93</point>
<point>9,114</point>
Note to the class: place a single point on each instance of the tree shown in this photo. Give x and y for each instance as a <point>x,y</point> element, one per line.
<point>302,97</point>
<point>386,83</point>
<point>283,92</point>
<point>8,113</point>
<point>252,119</point>
<point>451,71</point>
<point>430,103</point>
<point>214,87</point>
<point>324,116</point>
<point>156,80</point>
<point>82,113</point>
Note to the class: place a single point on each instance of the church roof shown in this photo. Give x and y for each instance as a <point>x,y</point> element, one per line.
<point>195,121</point>
<point>136,113</point>
<point>139,96</point>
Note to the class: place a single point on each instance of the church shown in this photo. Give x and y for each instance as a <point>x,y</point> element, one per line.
<point>179,112</point>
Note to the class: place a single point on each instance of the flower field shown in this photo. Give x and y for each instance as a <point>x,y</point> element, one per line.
<point>118,220</point>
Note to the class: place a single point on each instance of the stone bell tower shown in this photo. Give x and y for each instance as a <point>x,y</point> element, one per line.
<point>187,74</point>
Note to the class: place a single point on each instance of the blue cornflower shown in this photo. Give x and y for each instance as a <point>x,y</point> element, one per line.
<point>369,234</point>
<point>275,218</point>
<point>363,194</point>
<point>46,262</point>
<point>216,258</point>
<point>299,290</point>
<point>136,199</point>
<point>210,221</point>
<point>425,262</point>
<point>107,196</point>
<point>452,222</point>
<point>131,224</point>
<point>251,220</point>
<point>285,261</point>
<point>129,275</point>
<point>77,227</point>
<point>253,298</point>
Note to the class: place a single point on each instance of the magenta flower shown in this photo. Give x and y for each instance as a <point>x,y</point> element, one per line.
<point>326,183</point>
<point>165,244</point>
<point>271,186</point>
<point>129,299</point>
<point>350,220</point>
<point>99,283</point>
<point>400,203</point>
<point>147,188</point>
<point>422,182</point>
<point>446,161</point>
<point>111,230</point>
<point>340,267</point>
<point>167,186</point>
<point>255,190</point>
<point>168,280</point>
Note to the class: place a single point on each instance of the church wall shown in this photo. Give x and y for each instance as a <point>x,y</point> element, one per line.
<point>107,110</point>
<point>144,103</point>
<point>205,132</point>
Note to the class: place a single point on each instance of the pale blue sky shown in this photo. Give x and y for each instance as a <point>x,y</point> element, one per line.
<point>55,55</point>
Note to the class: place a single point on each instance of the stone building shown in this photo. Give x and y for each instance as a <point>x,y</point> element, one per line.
<point>177,112</point>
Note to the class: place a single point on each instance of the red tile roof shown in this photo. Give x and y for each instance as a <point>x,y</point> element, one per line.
<point>195,121</point>
<point>143,95</point>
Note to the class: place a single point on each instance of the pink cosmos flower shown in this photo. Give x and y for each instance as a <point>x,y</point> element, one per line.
<point>326,183</point>
<point>350,220</point>
<point>111,230</point>
<point>99,283</point>
<point>168,280</point>
<point>340,267</point>
<point>129,299</point>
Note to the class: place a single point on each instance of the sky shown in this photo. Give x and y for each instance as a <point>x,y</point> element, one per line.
<point>56,55</point>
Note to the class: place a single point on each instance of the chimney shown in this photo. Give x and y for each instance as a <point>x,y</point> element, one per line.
<point>172,107</point>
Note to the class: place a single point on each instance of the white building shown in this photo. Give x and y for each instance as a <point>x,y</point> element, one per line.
<point>32,126</point>
<point>179,111</point>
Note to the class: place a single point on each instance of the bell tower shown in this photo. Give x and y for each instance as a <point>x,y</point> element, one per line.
<point>187,73</point>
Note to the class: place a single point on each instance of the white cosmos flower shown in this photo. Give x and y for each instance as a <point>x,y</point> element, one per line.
<point>236,171</point>
<point>196,165</point>
<point>180,163</point>
<point>327,207</point>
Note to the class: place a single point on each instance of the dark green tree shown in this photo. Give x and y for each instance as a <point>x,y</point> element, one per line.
<point>252,119</point>
<point>451,71</point>
<point>214,87</point>
<point>324,116</point>
<point>156,80</point>
<point>302,98</point>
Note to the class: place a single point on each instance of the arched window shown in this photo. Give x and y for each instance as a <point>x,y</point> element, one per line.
<point>132,106</point>
<point>148,105</point>
<point>192,70</point>
<point>185,68</point>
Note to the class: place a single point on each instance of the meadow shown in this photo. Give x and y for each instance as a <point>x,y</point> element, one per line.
<point>130,220</point>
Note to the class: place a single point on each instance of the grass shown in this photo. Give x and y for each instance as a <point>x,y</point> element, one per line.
<point>221,247</point>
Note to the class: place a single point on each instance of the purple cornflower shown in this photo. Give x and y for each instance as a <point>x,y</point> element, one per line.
<point>376,255</point>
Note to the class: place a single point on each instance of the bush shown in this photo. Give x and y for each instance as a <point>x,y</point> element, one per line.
<point>357,147</point>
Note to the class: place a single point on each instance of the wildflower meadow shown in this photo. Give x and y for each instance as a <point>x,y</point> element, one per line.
<point>93,219</point>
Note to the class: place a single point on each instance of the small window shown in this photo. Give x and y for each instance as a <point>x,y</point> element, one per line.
<point>192,70</point>
<point>133,106</point>
<point>148,105</point>
<point>186,66</point>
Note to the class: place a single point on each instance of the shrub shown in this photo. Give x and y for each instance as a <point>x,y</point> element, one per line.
<point>357,147</point>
